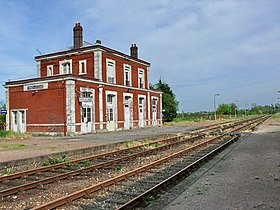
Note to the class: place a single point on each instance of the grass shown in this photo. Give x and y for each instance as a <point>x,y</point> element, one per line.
<point>54,160</point>
<point>12,134</point>
<point>276,116</point>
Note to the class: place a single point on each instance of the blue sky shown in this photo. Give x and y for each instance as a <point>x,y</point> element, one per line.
<point>199,48</point>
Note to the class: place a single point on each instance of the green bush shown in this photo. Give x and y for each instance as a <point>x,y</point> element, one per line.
<point>52,161</point>
<point>8,133</point>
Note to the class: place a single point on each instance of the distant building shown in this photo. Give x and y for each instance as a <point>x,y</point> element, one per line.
<point>84,89</point>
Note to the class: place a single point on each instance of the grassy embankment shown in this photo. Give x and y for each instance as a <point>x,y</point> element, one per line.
<point>276,117</point>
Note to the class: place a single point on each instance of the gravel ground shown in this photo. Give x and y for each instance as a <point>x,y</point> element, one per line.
<point>245,176</point>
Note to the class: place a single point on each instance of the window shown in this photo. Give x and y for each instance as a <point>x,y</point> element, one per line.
<point>110,99</point>
<point>83,67</point>
<point>65,67</point>
<point>110,107</point>
<point>110,114</point>
<point>141,82</point>
<point>111,67</point>
<point>127,75</point>
<point>50,70</point>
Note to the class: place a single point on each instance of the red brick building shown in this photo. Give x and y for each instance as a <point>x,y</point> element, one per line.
<point>84,89</point>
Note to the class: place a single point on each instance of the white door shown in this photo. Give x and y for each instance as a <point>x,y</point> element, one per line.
<point>22,122</point>
<point>141,112</point>
<point>154,112</point>
<point>111,112</point>
<point>127,112</point>
<point>86,122</point>
<point>14,121</point>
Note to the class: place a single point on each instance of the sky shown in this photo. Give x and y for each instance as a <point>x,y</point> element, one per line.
<point>199,47</point>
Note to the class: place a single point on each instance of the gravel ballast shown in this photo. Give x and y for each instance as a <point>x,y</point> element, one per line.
<point>247,176</point>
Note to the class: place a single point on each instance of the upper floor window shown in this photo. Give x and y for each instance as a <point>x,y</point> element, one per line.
<point>50,70</point>
<point>83,67</point>
<point>111,69</point>
<point>110,99</point>
<point>127,75</point>
<point>141,81</point>
<point>65,67</point>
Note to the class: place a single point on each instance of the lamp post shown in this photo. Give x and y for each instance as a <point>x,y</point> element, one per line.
<point>246,108</point>
<point>235,108</point>
<point>217,94</point>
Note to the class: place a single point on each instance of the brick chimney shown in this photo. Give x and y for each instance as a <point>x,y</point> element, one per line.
<point>78,36</point>
<point>134,51</point>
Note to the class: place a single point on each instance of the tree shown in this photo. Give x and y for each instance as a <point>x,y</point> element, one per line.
<point>224,109</point>
<point>2,117</point>
<point>169,102</point>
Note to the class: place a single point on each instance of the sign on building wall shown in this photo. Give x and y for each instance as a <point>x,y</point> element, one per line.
<point>3,111</point>
<point>40,86</point>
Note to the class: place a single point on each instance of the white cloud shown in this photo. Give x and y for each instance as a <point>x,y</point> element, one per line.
<point>199,47</point>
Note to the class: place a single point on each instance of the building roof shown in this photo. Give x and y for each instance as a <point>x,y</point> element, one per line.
<point>87,48</point>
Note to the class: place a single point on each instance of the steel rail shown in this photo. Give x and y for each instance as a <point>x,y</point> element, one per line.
<point>56,178</point>
<point>228,125</point>
<point>163,185</point>
<point>61,165</point>
<point>97,187</point>
<point>115,180</point>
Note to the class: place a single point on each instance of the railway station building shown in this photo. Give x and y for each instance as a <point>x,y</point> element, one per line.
<point>87,88</point>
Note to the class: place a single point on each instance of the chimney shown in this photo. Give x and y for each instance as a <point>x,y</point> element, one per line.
<point>78,36</point>
<point>134,51</point>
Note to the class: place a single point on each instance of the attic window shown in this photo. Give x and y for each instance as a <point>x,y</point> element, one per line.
<point>65,67</point>
<point>50,70</point>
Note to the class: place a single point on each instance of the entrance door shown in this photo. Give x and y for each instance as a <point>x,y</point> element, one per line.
<point>86,125</point>
<point>14,121</point>
<point>111,112</point>
<point>154,112</point>
<point>141,112</point>
<point>22,122</point>
<point>127,112</point>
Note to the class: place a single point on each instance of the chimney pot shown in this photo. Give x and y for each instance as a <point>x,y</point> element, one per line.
<point>78,36</point>
<point>134,51</point>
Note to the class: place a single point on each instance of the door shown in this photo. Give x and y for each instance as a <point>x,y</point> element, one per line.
<point>22,122</point>
<point>127,112</point>
<point>86,122</point>
<point>111,112</point>
<point>14,121</point>
<point>154,112</point>
<point>141,112</point>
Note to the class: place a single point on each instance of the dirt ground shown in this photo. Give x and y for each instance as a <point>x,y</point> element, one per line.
<point>14,149</point>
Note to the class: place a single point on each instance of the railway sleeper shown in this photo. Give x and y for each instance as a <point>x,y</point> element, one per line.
<point>88,207</point>
<point>127,193</point>
<point>11,183</point>
<point>110,200</point>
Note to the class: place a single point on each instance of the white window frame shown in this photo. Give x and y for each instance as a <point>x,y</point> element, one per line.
<point>81,72</point>
<point>141,72</point>
<point>113,63</point>
<point>127,68</point>
<point>61,66</point>
<point>50,70</point>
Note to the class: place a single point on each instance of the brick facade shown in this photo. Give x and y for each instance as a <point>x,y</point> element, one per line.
<point>84,90</point>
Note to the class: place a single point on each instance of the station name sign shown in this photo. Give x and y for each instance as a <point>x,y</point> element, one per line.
<point>40,86</point>
<point>85,99</point>
<point>3,111</point>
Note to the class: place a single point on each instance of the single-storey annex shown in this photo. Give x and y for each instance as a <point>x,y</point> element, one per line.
<point>85,89</point>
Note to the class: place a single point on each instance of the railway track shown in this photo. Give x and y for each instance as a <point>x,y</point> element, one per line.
<point>99,165</point>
